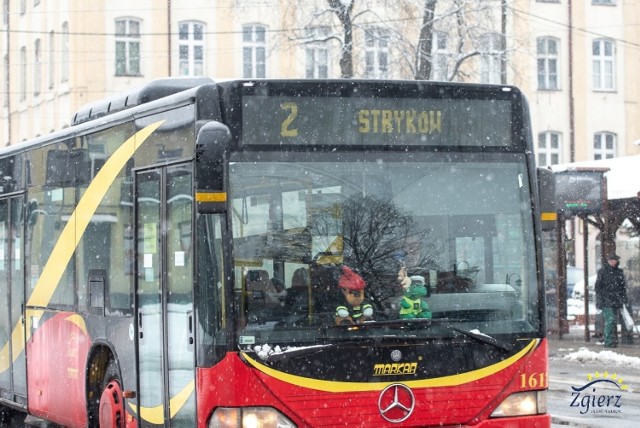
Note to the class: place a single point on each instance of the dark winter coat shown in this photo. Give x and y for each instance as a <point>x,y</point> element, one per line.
<point>611,289</point>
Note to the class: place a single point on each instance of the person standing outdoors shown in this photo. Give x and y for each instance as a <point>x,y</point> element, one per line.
<point>611,295</point>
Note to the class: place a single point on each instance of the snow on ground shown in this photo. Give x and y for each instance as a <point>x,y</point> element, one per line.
<point>576,307</point>
<point>605,357</point>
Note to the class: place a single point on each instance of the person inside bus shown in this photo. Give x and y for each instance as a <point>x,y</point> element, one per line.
<point>276,293</point>
<point>297,298</point>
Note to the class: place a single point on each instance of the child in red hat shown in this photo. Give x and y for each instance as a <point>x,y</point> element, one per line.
<point>354,310</point>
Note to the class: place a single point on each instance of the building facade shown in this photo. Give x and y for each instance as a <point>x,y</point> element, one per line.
<point>575,60</point>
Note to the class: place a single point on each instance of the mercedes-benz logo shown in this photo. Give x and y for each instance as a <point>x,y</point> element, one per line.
<point>396,355</point>
<point>396,403</point>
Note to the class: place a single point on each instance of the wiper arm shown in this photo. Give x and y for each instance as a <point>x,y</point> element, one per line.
<point>482,338</point>
<point>420,322</point>
<point>277,355</point>
<point>296,352</point>
<point>398,323</point>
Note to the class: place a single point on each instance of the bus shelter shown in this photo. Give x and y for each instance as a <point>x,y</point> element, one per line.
<point>604,194</point>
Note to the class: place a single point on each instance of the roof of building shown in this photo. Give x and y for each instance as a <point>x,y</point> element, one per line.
<point>623,175</point>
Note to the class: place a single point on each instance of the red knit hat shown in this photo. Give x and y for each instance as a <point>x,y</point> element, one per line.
<point>350,280</point>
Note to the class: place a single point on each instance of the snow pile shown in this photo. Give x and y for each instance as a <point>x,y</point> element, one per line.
<point>265,351</point>
<point>605,357</point>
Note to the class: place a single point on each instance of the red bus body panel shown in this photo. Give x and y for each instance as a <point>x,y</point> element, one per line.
<point>465,404</point>
<point>56,360</point>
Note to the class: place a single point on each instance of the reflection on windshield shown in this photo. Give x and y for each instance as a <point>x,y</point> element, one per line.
<point>346,243</point>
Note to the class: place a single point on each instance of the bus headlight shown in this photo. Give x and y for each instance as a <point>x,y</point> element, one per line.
<point>249,417</point>
<point>522,403</point>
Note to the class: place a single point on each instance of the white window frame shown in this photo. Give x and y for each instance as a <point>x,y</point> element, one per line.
<point>191,48</point>
<point>316,53</point>
<point>254,51</point>
<point>604,64</point>
<point>376,51</point>
<point>604,145</point>
<point>440,56</point>
<point>127,47</point>
<point>548,63</point>
<point>549,148</point>
<point>491,58</point>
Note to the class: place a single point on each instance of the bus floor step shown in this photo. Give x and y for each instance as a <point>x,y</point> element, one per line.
<point>34,422</point>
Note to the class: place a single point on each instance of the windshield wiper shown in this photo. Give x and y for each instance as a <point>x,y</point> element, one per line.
<point>481,337</point>
<point>302,351</point>
<point>421,322</point>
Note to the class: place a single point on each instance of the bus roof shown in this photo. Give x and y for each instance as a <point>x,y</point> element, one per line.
<point>156,89</point>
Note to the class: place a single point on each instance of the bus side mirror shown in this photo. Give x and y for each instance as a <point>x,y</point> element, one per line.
<point>212,146</point>
<point>547,198</point>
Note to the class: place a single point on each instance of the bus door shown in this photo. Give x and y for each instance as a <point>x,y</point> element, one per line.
<point>164,287</point>
<point>13,379</point>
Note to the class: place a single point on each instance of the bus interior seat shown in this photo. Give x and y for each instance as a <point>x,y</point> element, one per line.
<point>257,282</point>
<point>297,299</point>
<point>300,278</point>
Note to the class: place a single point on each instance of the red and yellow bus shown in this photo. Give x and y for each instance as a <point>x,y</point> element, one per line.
<point>273,253</point>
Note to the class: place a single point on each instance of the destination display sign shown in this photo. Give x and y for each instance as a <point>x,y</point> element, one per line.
<point>579,192</point>
<point>325,120</point>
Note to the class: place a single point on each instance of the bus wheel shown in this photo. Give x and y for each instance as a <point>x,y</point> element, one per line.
<point>111,403</point>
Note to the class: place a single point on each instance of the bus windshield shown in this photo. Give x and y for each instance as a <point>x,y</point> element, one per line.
<point>326,245</point>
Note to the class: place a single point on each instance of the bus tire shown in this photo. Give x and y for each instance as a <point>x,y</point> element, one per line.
<point>111,412</point>
<point>5,414</point>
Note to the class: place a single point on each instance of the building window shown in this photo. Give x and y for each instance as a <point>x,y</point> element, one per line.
<point>376,51</point>
<point>491,54</point>
<point>316,53</point>
<point>127,47</point>
<point>254,51</point>
<point>603,2</point>
<point>549,148</point>
<point>37,67</point>
<point>52,63</point>
<point>64,49</point>
<point>23,73</point>
<point>603,65</point>
<point>604,145</point>
<point>547,57</point>
<point>439,56</point>
<point>191,48</point>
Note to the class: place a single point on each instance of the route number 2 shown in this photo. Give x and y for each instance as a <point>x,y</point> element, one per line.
<point>287,130</point>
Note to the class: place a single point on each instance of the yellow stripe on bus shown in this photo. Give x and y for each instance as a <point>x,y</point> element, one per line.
<point>332,386</point>
<point>155,415</point>
<point>71,236</point>
<point>211,197</point>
